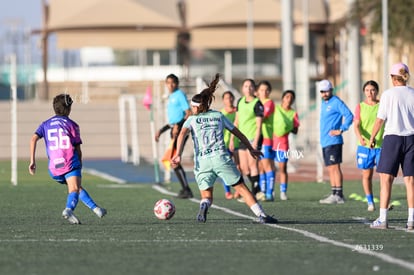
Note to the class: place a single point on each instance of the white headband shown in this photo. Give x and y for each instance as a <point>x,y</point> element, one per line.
<point>195,104</point>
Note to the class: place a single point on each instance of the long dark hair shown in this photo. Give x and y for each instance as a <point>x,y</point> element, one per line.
<point>205,98</point>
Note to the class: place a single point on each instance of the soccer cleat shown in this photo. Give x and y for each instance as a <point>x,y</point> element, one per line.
<point>377,224</point>
<point>410,225</point>
<point>267,219</point>
<point>185,194</point>
<point>228,195</point>
<point>202,213</point>
<point>371,207</point>
<point>100,212</point>
<point>260,196</point>
<point>68,215</point>
<point>331,199</point>
<point>283,196</point>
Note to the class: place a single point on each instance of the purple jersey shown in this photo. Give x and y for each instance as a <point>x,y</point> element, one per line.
<point>61,135</point>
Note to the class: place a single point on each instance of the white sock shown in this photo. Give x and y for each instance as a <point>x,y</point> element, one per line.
<point>257,210</point>
<point>411,214</point>
<point>383,214</point>
<point>206,201</point>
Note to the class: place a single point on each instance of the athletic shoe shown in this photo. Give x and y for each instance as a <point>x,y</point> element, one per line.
<point>202,213</point>
<point>377,224</point>
<point>331,199</point>
<point>241,199</point>
<point>68,215</point>
<point>371,207</point>
<point>339,200</point>
<point>100,212</point>
<point>228,195</point>
<point>269,197</point>
<point>410,226</point>
<point>267,219</point>
<point>260,196</point>
<point>185,194</point>
<point>283,196</point>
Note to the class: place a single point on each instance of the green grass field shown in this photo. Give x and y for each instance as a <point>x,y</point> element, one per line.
<point>310,238</point>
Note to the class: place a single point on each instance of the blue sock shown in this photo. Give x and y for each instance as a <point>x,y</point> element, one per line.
<point>270,183</point>
<point>72,200</point>
<point>226,188</point>
<point>370,198</point>
<point>86,199</point>
<point>283,187</point>
<point>262,180</point>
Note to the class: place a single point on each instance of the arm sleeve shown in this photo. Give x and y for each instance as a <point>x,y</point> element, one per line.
<point>259,109</point>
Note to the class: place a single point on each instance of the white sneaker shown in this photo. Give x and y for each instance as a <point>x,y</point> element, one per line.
<point>339,200</point>
<point>260,196</point>
<point>377,224</point>
<point>100,212</point>
<point>68,215</point>
<point>283,196</point>
<point>331,199</point>
<point>371,207</point>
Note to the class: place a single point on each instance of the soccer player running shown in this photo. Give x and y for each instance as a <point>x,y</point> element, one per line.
<point>364,119</point>
<point>396,110</point>
<point>285,121</point>
<point>266,164</point>
<point>177,111</point>
<point>211,157</point>
<point>335,118</point>
<point>63,147</point>
<point>248,120</point>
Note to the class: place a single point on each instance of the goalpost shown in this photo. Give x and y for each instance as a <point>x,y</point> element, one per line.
<point>129,153</point>
<point>13,90</point>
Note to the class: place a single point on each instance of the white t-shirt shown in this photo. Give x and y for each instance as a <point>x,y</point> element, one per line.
<point>396,108</point>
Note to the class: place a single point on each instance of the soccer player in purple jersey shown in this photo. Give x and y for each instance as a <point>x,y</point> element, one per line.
<point>62,140</point>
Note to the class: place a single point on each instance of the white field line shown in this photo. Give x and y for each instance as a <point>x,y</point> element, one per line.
<point>352,247</point>
<point>103,175</point>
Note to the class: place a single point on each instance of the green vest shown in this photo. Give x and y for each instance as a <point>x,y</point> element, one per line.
<point>247,117</point>
<point>368,115</point>
<point>267,124</point>
<point>283,121</point>
<point>227,133</point>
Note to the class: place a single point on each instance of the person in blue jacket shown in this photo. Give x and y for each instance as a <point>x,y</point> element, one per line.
<point>335,118</point>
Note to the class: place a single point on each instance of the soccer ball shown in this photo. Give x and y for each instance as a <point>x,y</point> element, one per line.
<point>164,209</point>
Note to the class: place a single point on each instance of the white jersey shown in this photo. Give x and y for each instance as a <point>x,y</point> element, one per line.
<point>396,108</point>
<point>207,133</point>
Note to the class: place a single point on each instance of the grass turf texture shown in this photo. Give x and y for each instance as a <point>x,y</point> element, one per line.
<point>35,239</point>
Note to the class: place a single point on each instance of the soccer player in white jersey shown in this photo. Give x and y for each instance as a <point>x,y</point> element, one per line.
<point>211,157</point>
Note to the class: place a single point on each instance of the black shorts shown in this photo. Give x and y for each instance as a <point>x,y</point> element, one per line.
<point>396,151</point>
<point>332,154</point>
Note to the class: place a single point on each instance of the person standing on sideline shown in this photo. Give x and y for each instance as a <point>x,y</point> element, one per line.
<point>335,118</point>
<point>211,157</point>
<point>286,121</point>
<point>229,111</point>
<point>63,148</point>
<point>367,157</point>
<point>396,110</point>
<point>178,111</point>
<point>266,164</point>
<point>248,120</point>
